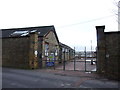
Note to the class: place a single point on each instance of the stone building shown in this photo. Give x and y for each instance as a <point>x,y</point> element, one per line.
<point>16,51</point>
<point>30,47</point>
<point>66,53</point>
<point>108,52</point>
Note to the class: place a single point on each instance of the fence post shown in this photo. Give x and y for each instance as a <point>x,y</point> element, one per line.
<point>64,60</point>
<point>74,58</point>
<point>85,59</point>
<point>54,60</point>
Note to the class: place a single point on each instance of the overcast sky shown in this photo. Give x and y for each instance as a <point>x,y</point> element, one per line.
<point>74,20</point>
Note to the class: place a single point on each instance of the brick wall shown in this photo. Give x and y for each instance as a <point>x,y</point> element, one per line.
<point>108,52</point>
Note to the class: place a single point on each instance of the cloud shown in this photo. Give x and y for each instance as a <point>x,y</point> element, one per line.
<point>25,13</point>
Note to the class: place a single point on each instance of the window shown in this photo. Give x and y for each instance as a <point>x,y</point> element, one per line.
<point>63,49</point>
<point>56,51</point>
<point>46,49</point>
<point>66,50</point>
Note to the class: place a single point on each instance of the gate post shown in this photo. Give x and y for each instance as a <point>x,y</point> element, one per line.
<point>85,59</point>
<point>74,58</point>
<point>64,60</point>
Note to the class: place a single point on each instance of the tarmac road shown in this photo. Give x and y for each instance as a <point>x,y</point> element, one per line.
<point>18,78</point>
<point>105,83</point>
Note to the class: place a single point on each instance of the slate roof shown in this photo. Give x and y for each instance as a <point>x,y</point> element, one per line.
<point>65,46</point>
<point>7,33</point>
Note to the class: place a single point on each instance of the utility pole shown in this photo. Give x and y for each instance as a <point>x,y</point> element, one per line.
<point>91,54</point>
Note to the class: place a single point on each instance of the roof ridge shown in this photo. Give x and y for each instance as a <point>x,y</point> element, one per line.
<point>28,27</point>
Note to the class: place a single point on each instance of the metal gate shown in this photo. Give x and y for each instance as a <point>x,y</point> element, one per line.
<point>87,64</point>
<point>78,64</point>
<point>84,64</point>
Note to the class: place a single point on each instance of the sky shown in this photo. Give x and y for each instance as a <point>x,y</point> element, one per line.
<point>74,20</point>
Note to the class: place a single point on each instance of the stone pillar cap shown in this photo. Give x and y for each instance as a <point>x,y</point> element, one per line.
<point>97,27</point>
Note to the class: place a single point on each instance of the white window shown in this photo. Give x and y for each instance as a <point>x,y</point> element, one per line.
<point>46,49</point>
<point>63,49</point>
<point>66,50</point>
<point>56,50</point>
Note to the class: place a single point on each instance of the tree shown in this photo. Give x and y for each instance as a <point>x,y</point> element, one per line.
<point>119,16</point>
<point>118,12</point>
<point>117,3</point>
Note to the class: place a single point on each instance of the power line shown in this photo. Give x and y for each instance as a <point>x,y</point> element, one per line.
<point>86,21</point>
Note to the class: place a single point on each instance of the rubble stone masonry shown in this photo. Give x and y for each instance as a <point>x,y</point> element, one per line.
<point>15,52</point>
<point>19,52</point>
<point>108,52</point>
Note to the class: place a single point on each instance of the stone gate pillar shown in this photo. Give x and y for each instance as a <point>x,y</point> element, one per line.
<point>100,49</point>
<point>33,52</point>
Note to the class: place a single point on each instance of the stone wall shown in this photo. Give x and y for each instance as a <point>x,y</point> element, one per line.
<point>108,52</point>
<point>33,51</point>
<point>15,52</point>
<point>112,53</point>
<point>40,45</point>
<point>100,49</point>
<point>53,48</point>
<point>64,54</point>
<point>0,49</point>
<point>20,52</point>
